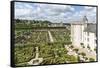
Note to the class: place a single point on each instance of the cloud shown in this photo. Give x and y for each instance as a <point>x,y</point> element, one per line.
<point>53,10</point>
<point>54,13</point>
<point>88,8</point>
<point>89,12</point>
<point>42,11</point>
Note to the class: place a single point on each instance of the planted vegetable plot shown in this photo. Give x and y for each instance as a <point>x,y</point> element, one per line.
<point>61,36</point>
<point>30,37</point>
<point>51,52</point>
<point>23,54</point>
<point>55,54</point>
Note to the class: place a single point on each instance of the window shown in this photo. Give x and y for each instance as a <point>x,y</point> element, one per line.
<point>87,33</point>
<point>88,46</point>
<point>96,41</point>
<point>88,39</point>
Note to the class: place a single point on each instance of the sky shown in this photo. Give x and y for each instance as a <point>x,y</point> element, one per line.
<point>53,12</point>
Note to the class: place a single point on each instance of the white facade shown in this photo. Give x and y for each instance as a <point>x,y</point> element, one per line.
<point>78,36</point>
<point>89,40</point>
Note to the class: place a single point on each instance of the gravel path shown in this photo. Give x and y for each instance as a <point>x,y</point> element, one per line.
<point>89,54</point>
<point>50,37</point>
<point>36,60</point>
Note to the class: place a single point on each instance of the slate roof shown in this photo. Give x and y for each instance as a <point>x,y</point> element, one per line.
<point>90,28</point>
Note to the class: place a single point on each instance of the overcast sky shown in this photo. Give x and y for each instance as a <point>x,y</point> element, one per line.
<point>53,12</point>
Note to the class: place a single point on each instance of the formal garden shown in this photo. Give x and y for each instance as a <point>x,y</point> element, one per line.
<point>32,45</point>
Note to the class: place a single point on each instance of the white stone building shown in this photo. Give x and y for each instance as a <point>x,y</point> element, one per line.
<point>83,33</point>
<point>90,36</point>
<point>77,33</point>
